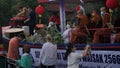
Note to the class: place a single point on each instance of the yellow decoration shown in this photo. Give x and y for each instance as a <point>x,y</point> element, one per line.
<point>40,15</point>
<point>110,10</point>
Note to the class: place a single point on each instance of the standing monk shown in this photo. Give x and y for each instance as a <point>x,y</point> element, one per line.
<point>79,34</point>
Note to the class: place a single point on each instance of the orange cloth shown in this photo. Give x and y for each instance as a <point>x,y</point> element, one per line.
<point>78,32</point>
<point>96,18</point>
<point>13,51</point>
<point>98,33</point>
<point>83,20</point>
<point>96,37</point>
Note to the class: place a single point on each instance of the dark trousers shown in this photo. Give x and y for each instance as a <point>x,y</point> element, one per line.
<point>44,66</point>
<point>31,29</point>
<point>11,66</point>
<point>58,27</point>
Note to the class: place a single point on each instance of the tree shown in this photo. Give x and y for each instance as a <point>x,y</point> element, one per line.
<point>8,8</point>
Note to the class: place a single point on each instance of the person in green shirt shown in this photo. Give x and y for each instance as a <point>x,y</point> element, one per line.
<point>25,60</point>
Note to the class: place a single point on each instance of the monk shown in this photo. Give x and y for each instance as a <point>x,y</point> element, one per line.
<point>83,19</point>
<point>79,34</point>
<point>102,32</point>
<point>96,19</point>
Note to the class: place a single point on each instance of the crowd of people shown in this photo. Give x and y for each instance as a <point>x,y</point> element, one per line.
<point>48,54</point>
<point>100,24</point>
<point>95,27</point>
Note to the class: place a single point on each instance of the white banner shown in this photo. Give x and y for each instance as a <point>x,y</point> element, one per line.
<point>97,59</point>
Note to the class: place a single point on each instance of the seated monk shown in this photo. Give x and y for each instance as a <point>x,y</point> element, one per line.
<point>105,33</point>
<point>106,17</point>
<point>95,21</point>
<point>101,36</point>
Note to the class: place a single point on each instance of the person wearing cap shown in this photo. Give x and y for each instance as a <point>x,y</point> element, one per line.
<point>13,50</point>
<point>48,53</point>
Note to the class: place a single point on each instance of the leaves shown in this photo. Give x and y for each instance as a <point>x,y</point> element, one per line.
<point>8,8</point>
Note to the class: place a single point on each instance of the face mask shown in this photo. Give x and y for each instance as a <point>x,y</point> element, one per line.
<point>68,26</point>
<point>102,13</point>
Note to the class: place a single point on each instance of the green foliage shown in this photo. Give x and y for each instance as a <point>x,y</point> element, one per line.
<point>45,18</point>
<point>8,8</point>
<point>26,3</point>
<point>5,10</point>
<point>89,6</point>
<point>57,38</point>
<point>30,39</point>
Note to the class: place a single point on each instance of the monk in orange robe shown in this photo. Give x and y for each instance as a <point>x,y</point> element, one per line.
<point>96,19</point>
<point>83,19</point>
<point>102,32</point>
<point>79,31</point>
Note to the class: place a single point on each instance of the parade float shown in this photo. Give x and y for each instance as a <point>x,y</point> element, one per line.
<point>103,55</point>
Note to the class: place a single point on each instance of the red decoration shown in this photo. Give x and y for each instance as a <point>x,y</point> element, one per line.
<point>39,9</point>
<point>112,4</point>
<point>40,25</point>
<point>78,8</point>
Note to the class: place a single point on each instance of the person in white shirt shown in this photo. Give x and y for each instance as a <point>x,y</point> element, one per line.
<point>73,57</point>
<point>48,54</point>
<point>66,36</point>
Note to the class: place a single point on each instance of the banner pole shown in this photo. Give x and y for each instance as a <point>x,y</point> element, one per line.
<point>62,16</point>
